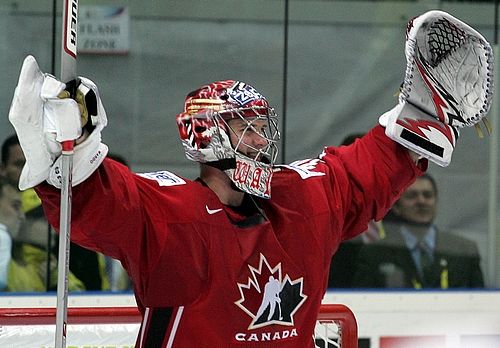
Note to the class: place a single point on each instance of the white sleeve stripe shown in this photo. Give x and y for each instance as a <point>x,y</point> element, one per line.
<point>178,316</point>
<point>143,326</point>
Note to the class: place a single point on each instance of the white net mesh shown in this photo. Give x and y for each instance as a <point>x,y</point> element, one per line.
<point>328,334</point>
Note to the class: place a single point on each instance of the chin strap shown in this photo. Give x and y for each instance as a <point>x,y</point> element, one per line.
<point>224,164</point>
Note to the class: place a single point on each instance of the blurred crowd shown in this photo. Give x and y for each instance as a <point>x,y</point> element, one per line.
<point>29,246</point>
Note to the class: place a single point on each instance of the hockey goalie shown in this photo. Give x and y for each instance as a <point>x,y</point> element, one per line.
<point>240,256</point>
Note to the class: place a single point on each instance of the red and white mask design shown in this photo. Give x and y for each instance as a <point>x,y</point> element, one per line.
<point>230,125</point>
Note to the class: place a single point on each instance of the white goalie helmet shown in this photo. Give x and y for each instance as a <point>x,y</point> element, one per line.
<point>208,134</point>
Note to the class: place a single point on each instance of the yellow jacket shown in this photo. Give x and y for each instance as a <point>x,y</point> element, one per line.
<point>28,272</point>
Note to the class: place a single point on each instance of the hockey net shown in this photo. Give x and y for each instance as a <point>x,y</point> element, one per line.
<point>118,327</point>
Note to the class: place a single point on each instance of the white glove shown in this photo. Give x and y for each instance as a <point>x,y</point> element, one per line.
<point>61,117</point>
<point>420,132</point>
<point>447,85</point>
<point>89,154</point>
<point>87,157</point>
<point>42,121</point>
<point>26,115</point>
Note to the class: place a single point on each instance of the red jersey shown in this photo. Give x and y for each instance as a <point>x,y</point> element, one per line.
<point>206,276</point>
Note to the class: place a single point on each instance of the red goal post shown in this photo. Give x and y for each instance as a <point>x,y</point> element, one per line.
<point>336,325</point>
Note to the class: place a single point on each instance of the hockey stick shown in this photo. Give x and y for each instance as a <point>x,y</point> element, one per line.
<point>68,75</point>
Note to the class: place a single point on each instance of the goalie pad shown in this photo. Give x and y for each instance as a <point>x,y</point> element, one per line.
<point>448,85</point>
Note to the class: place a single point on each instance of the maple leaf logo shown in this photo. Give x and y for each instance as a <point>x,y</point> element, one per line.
<point>268,297</point>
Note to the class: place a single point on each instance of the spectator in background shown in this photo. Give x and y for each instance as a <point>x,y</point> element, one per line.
<point>115,278</point>
<point>12,159</point>
<point>415,253</point>
<point>11,166</point>
<point>83,262</point>
<point>343,261</point>
<point>28,269</point>
<point>11,216</point>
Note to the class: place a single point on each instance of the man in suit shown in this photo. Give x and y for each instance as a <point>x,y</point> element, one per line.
<point>415,253</point>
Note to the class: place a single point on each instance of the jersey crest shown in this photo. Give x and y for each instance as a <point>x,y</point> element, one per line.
<point>164,178</point>
<point>270,297</point>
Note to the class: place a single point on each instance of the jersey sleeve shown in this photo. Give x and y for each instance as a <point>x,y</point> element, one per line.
<point>369,175</point>
<point>127,216</point>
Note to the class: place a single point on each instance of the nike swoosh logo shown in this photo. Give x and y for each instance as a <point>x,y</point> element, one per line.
<point>212,211</point>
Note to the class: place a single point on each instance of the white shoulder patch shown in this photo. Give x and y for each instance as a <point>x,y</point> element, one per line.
<point>164,178</point>
<point>305,167</point>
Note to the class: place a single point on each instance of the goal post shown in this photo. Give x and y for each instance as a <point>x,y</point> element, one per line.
<point>336,326</point>
<point>76,315</point>
<point>34,327</point>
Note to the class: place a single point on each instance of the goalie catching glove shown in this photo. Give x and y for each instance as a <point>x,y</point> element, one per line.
<point>43,117</point>
<point>448,85</point>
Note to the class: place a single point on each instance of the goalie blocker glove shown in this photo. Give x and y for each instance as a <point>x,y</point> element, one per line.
<point>89,153</point>
<point>448,85</point>
<point>43,117</point>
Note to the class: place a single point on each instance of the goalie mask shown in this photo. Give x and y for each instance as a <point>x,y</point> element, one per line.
<point>230,126</point>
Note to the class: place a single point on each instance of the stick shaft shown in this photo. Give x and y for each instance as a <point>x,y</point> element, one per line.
<point>68,73</point>
<point>64,247</point>
<point>69,40</point>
